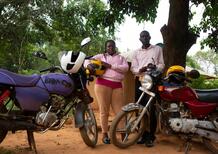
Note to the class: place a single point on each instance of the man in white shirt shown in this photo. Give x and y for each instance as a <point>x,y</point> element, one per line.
<point>141,58</point>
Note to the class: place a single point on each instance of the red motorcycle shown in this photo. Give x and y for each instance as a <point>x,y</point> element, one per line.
<point>181,110</point>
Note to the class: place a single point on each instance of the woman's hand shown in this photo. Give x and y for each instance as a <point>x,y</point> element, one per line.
<point>106,65</point>
<point>91,68</point>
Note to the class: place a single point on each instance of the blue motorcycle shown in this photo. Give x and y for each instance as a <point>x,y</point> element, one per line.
<point>42,102</point>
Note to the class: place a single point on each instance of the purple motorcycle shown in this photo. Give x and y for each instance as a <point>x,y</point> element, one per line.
<point>42,102</point>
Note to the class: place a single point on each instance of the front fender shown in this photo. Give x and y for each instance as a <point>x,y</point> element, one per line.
<point>79,115</point>
<point>141,111</point>
<point>132,106</point>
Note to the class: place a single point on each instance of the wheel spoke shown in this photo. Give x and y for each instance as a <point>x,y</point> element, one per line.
<point>120,131</point>
<point>211,145</point>
<point>89,131</point>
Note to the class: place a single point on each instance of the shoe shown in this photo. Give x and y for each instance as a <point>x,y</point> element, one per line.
<point>141,141</point>
<point>149,143</point>
<point>106,140</point>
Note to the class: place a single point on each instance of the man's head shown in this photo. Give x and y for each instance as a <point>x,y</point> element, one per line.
<point>145,38</point>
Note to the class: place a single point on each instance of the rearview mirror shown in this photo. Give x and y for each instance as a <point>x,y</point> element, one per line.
<point>194,74</point>
<point>85,41</point>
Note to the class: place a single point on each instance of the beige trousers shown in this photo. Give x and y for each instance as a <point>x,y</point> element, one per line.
<point>107,97</point>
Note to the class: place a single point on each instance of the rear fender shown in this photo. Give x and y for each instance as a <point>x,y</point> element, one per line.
<point>79,115</point>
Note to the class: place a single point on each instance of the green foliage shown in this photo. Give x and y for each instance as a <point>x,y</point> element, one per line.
<point>142,10</point>
<point>192,62</point>
<point>209,23</point>
<point>208,59</point>
<point>28,72</point>
<point>78,20</point>
<point>4,151</point>
<point>203,83</point>
<point>50,26</point>
<point>24,25</point>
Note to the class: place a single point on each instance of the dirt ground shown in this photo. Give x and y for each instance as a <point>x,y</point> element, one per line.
<point>68,141</point>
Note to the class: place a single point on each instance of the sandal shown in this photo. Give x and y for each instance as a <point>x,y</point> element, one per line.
<point>106,140</point>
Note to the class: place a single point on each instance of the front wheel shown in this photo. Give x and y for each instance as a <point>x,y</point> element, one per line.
<point>211,145</point>
<point>89,130</point>
<point>121,132</point>
<point>3,132</point>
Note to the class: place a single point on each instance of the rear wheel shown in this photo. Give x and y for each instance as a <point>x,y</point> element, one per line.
<point>121,132</point>
<point>211,145</point>
<point>3,132</point>
<point>89,130</point>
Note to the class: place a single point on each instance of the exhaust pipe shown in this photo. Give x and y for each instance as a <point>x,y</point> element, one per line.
<point>15,125</point>
<point>207,134</point>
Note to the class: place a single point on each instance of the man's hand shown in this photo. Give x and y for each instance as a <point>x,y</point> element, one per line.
<point>151,66</point>
<point>143,69</point>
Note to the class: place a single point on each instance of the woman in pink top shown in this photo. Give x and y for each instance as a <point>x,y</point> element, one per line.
<point>108,87</point>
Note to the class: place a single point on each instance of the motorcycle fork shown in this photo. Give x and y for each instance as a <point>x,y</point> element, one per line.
<point>145,109</point>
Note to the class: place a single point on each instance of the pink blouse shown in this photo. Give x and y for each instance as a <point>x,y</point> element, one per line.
<point>119,66</point>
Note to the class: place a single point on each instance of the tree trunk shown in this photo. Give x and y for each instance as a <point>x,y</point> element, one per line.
<point>177,38</point>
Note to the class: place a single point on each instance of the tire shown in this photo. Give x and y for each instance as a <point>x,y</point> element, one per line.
<point>211,145</point>
<point>89,131</point>
<point>160,123</point>
<point>124,137</point>
<point>3,132</point>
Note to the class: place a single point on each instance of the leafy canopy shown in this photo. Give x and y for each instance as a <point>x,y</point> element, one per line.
<point>48,25</point>
<point>144,10</point>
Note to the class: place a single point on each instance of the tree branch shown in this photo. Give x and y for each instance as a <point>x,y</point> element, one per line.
<point>191,40</point>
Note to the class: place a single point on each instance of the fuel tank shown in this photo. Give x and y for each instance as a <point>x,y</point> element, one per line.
<point>31,98</point>
<point>57,83</point>
<point>177,93</point>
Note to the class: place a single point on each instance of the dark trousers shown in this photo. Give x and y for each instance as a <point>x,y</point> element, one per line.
<point>153,120</point>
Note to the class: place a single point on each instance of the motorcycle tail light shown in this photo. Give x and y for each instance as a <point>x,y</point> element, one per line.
<point>160,88</point>
<point>4,96</point>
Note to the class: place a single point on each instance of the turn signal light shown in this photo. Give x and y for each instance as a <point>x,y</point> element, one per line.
<point>160,88</point>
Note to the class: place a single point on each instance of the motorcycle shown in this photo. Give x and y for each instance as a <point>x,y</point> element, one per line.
<point>181,110</point>
<point>42,102</point>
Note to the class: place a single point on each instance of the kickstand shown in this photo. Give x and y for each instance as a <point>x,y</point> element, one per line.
<point>187,145</point>
<point>31,141</point>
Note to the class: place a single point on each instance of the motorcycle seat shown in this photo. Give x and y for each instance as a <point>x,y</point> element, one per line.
<point>207,95</point>
<point>11,78</point>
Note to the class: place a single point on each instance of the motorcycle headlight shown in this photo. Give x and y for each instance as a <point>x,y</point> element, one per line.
<point>146,81</point>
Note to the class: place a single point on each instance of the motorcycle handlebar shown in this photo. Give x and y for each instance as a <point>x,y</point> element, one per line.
<point>88,57</point>
<point>44,70</point>
<point>51,69</point>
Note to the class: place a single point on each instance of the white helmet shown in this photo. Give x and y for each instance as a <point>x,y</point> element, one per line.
<point>72,61</point>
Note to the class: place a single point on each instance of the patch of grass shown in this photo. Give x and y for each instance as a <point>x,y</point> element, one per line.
<point>5,151</point>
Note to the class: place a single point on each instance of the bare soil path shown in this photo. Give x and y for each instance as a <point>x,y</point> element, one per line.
<point>68,141</point>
